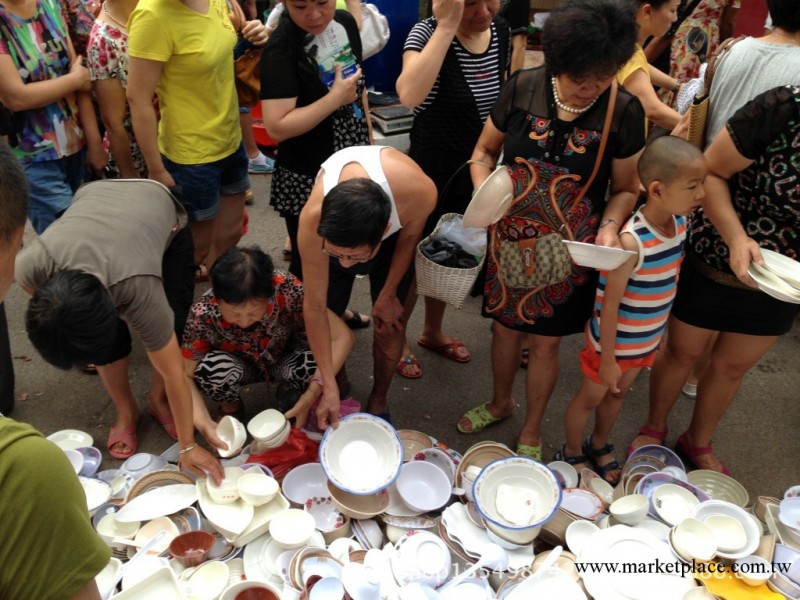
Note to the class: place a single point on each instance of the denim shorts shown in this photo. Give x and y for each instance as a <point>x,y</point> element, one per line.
<point>52,184</point>
<point>198,187</point>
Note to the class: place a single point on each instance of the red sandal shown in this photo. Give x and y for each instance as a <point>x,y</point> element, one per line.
<point>688,453</point>
<point>660,436</point>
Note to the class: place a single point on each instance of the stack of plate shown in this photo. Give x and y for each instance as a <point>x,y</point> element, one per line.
<point>779,277</point>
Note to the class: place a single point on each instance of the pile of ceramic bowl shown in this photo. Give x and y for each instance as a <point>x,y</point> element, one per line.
<point>397,514</point>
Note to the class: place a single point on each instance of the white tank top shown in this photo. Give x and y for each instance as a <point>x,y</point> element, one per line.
<point>369,157</point>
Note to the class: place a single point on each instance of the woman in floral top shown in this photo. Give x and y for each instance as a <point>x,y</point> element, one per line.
<point>107,61</point>
<point>249,328</point>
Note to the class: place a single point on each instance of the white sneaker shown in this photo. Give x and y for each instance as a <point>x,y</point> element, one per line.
<point>689,390</point>
<point>261,164</point>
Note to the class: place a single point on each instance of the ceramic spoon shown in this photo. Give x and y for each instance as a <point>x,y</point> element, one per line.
<point>549,561</point>
<point>494,557</point>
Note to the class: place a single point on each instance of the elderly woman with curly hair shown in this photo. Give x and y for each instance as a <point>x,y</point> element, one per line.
<point>548,123</point>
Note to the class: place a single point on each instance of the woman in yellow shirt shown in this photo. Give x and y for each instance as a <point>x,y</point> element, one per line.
<point>654,18</point>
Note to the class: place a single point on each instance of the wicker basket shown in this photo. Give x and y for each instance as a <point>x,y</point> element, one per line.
<point>444,283</point>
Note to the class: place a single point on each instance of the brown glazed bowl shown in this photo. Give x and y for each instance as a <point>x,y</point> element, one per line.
<point>191,548</point>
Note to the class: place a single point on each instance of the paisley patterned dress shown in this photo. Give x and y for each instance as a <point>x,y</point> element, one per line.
<point>549,159</point>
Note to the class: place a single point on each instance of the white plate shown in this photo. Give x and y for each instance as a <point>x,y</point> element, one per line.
<point>582,503</point>
<point>260,557</point>
<point>161,584</point>
<point>782,266</point>
<point>421,557</point>
<point>230,519</point>
<point>70,439</point>
<point>490,200</point>
<point>158,502</point>
<point>602,258</point>
<point>473,539</point>
<point>773,285</point>
<point>548,583</point>
<point>622,544</point>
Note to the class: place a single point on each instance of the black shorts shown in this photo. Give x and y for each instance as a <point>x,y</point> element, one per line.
<point>340,279</point>
<point>708,304</point>
<point>177,277</point>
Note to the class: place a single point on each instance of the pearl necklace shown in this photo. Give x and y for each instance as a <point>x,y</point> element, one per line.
<point>107,13</point>
<point>564,107</point>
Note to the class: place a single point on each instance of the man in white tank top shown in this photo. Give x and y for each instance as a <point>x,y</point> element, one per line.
<point>365,215</point>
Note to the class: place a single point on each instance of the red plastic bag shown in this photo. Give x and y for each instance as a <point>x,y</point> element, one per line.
<point>297,450</point>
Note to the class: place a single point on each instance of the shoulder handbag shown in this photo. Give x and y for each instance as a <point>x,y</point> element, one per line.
<point>248,77</point>
<point>374,30</point>
<point>544,260</point>
<point>698,111</point>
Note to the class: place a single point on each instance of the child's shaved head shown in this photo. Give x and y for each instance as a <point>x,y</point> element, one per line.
<point>663,159</point>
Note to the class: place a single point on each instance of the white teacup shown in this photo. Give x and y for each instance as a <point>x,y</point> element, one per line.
<point>227,491</point>
<point>231,431</point>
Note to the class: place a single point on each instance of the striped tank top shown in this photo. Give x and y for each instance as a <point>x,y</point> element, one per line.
<point>645,305</point>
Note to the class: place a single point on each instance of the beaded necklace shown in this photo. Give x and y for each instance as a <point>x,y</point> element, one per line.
<point>569,109</point>
<point>118,23</point>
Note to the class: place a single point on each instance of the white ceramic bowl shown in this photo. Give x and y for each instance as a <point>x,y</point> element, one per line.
<point>363,455</point>
<point>97,493</point>
<point>728,531</point>
<point>753,570</point>
<point>673,503</point>
<point>292,527</point>
<point>359,506</point>
<point>528,475</point>
<point>151,529</point>
<point>630,509</point>
<point>266,425</point>
<point>92,457</point>
<point>327,516</point>
<point>227,491</point>
<point>789,513</point>
<point>75,459</point>
<point>567,472</point>
<point>692,540</point>
<point>751,526</point>
<point>257,488</point>
<point>208,580</point>
<point>109,528</point>
<point>276,440</point>
<point>231,431</point>
<point>304,482</point>
<point>423,486</point>
<point>720,486</point>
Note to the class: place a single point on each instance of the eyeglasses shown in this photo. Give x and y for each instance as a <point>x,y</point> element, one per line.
<point>348,257</point>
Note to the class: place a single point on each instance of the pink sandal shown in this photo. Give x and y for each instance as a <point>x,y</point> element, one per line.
<point>689,453</point>
<point>660,436</point>
<point>166,421</point>
<point>126,436</point>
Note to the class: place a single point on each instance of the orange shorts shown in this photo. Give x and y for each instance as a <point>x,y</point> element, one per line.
<point>590,363</point>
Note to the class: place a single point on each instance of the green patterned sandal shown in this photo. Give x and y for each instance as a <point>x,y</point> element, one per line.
<point>534,452</point>
<point>477,419</point>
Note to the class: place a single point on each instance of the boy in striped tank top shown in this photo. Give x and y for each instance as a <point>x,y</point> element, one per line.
<point>633,301</point>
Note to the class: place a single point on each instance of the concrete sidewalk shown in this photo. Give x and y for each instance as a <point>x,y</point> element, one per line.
<point>757,440</point>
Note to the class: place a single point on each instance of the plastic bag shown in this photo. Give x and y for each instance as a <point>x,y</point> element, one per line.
<point>471,239</point>
<point>297,450</point>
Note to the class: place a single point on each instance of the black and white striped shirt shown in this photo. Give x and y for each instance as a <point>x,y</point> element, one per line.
<point>480,70</point>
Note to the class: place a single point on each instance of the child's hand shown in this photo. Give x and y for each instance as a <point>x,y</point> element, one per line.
<point>610,374</point>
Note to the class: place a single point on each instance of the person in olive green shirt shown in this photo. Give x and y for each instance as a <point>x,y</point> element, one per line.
<point>48,549</point>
